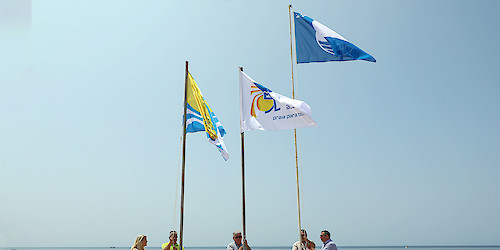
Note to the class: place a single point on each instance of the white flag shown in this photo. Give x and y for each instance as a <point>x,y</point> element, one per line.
<point>260,108</point>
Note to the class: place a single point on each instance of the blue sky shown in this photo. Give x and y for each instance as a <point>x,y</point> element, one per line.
<point>407,152</point>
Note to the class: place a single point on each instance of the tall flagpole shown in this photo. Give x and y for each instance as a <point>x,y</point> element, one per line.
<point>294,130</point>
<point>243,180</point>
<point>181,229</point>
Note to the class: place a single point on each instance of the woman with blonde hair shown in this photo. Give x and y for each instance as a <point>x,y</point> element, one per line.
<point>140,242</point>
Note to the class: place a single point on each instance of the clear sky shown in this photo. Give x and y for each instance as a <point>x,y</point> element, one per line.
<point>407,152</point>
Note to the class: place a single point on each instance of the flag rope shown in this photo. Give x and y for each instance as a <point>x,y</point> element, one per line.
<point>178,174</point>
<point>177,181</point>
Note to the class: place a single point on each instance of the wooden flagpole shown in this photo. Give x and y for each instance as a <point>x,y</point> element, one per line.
<point>243,182</point>
<point>181,229</point>
<point>294,130</point>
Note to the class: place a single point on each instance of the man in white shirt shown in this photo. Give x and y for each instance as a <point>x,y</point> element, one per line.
<point>327,242</point>
<point>236,244</point>
<point>301,244</point>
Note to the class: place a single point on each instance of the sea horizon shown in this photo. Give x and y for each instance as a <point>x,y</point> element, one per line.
<point>428,247</point>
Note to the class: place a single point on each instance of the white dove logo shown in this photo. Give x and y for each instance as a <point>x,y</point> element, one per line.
<point>322,32</point>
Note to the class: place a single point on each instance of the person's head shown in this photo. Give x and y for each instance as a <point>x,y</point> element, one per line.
<point>173,236</point>
<point>140,242</point>
<point>237,237</point>
<point>310,245</point>
<point>324,236</point>
<point>303,235</point>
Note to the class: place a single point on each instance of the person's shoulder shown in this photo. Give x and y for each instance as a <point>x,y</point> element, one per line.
<point>331,244</point>
<point>232,245</point>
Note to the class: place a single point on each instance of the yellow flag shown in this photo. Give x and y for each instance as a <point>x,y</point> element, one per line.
<point>196,101</point>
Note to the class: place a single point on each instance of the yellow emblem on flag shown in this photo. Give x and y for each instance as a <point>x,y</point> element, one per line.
<point>196,101</point>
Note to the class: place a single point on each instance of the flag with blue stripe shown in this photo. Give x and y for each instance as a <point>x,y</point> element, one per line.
<point>317,43</point>
<point>199,117</point>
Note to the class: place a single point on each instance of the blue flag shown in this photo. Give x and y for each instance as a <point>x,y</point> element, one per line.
<point>317,43</point>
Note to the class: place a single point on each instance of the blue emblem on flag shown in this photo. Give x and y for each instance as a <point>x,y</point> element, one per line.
<point>317,43</point>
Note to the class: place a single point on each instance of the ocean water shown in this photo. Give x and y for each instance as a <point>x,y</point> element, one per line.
<point>272,248</point>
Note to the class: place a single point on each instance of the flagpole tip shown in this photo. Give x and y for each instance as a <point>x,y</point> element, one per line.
<point>241,68</point>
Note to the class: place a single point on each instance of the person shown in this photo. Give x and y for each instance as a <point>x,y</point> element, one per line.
<point>301,244</point>
<point>172,244</point>
<point>140,242</point>
<point>236,244</point>
<point>327,242</point>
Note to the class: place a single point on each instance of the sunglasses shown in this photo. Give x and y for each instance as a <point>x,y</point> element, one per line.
<point>238,236</point>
